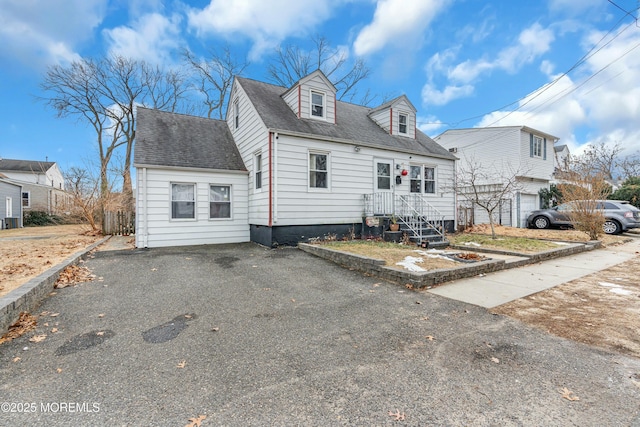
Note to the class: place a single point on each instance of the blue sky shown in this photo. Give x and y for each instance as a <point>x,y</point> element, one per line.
<point>566,67</point>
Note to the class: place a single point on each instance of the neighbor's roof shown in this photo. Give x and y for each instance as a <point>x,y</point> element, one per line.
<point>179,140</point>
<point>353,123</point>
<point>25,165</point>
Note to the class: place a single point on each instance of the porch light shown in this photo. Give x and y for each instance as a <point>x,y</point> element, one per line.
<point>356,148</point>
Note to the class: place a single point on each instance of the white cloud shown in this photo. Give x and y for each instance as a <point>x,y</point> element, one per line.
<point>532,43</point>
<point>600,102</point>
<point>393,20</point>
<point>430,125</point>
<point>433,96</point>
<point>152,38</point>
<point>46,32</point>
<point>266,23</point>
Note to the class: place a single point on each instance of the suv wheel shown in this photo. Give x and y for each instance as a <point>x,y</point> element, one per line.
<point>611,226</point>
<point>541,222</point>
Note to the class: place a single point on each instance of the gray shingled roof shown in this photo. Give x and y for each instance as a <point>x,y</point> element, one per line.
<point>178,140</point>
<point>353,123</point>
<point>25,165</point>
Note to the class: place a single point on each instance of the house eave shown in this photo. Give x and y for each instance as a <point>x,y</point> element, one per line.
<point>358,143</point>
<point>191,169</point>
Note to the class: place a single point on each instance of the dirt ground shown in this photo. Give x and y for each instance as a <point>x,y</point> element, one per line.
<point>27,252</point>
<point>601,309</point>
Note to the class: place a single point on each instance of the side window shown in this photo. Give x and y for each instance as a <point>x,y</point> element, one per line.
<point>429,180</point>
<point>183,201</point>
<point>317,104</point>
<point>219,201</point>
<point>318,170</point>
<point>257,166</point>
<point>537,146</point>
<point>236,114</point>
<point>26,199</point>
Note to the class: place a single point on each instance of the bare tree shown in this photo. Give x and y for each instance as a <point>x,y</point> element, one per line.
<point>583,184</point>
<point>487,186</point>
<point>104,94</point>
<point>630,166</point>
<point>599,158</point>
<point>84,189</point>
<point>214,77</point>
<point>291,63</point>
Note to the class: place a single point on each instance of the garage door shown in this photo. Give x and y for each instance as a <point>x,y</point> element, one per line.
<point>528,203</point>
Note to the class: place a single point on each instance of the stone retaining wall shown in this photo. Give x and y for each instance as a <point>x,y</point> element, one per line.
<point>28,296</point>
<point>428,279</point>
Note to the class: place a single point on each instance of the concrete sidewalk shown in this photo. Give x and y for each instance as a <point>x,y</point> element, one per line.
<point>501,287</point>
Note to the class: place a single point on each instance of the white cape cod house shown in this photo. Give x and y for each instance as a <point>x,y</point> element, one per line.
<point>287,165</point>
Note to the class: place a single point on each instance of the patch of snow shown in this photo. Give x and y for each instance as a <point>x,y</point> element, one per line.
<point>620,291</point>
<point>410,263</point>
<point>433,253</point>
<point>608,285</point>
<point>616,289</point>
<point>562,243</point>
<point>472,244</point>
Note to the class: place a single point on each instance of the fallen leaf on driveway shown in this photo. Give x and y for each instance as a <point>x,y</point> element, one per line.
<point>38,338</point>
<point>100,333</point>
<point>59,370</point>
<point>430,337</point>
<point>54,315</point>
<point>495,360</point>
<point>568,394</point>
<point>215,329</point>
<point>195,422</point>
<point>398,416</point>
<point>54,330</point>
<point>182,365</point>
<point>16,359</point>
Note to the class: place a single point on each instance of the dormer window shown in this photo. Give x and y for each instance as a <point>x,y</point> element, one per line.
<point>317,104</point>
<point>402,123</point>
<point>236,114</point>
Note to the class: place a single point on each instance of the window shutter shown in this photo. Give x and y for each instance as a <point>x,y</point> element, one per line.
<point>544,149</point>
<point>530,145</point>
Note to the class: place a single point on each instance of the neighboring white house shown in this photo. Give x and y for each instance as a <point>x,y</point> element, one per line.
<point>525,151</point>
<point>296,163</point>
<point>10,206</point>
<point>42,184</point>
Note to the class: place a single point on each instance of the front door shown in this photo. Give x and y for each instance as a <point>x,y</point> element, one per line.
<point>383,186</point>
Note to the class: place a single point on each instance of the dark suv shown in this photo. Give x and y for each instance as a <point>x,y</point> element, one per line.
<point>619,216</point>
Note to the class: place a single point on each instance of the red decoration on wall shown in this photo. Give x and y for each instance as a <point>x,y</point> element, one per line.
<point>405,172</point>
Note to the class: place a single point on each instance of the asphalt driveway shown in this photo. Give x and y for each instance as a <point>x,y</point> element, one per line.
<point>249,336</point>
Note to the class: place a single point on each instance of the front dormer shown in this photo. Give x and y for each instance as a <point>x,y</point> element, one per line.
<point>313,97</point>
<point>397,117</point>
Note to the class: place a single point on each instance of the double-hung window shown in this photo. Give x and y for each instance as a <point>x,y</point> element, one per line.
<point>537,148</point>
<point>318,170</point>
<point>26,199</point>
<point>317,104</point>
<point>429,180</point>
<point>402,123</point>
<point>219,201</point>
<point>183,201</point>
<point>258,170</point>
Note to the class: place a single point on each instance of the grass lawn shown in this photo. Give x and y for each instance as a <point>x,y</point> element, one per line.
<point>391,253</point>
<point>505,243</point>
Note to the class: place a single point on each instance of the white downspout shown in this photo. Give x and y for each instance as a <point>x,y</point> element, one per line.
<point>275,178</point>
<point>145,228</point>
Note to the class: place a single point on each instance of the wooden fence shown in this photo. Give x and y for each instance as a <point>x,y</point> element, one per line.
<point>119,223</point>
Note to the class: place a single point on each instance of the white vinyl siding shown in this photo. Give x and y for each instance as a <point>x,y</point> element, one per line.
<point>161,230</point>
<point>252,137</point>
<point>351,176</point>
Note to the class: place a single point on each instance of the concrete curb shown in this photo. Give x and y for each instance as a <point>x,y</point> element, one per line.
<point>429,279</point>
<point>28,296</point>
